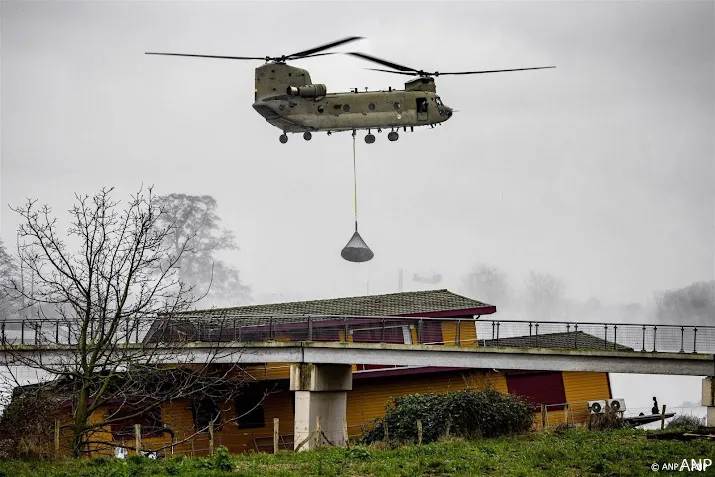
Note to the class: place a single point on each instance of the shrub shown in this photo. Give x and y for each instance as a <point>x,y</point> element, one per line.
<point>608,420</point>
<point>27,428</point>
<point>465,413</point>
<point>686,422</point>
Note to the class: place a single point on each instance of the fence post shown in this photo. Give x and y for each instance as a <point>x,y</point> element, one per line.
<point>682,339</point>
<point>695,338</point>
<point>662,419</point>
<point>310,328</point>
<point>346,438</point>
<point>419,432</point>
<point>276,434</point>
<point>211,437</point>
<point>138,437</point>
<point>655,330</point>
<point>458,334</point>
<point>419,332</point>
<point>543,416</point>
<point>643,338</point>
<point>615,336</point>
<point>57,438</point>
<point>575,336</point>
<point>605,336</point>
<point>347,330</point>
<point>566,415</point>
<point>387,434</point>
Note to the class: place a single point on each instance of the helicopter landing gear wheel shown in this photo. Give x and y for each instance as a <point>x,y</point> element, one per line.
<point>370,138</point>
<point>283,138</point>
<point>307,136</point>
<point>393,136</point>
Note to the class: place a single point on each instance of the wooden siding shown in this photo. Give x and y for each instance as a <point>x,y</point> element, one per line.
<point>467,333</point>
<point>368,398</point>
<point>584,386</point>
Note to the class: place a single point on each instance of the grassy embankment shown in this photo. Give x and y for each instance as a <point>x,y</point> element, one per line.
<point>571,453</point>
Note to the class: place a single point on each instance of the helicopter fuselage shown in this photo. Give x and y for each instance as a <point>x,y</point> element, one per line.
<point>288,100</point>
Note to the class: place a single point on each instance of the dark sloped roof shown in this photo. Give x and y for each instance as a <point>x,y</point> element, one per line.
<point>393,304</point>
<point>566,340</point>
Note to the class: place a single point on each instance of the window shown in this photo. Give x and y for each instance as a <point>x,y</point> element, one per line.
<point>249,411</point>
<point>396,104</point>
<point>204,411</point>
<point>346,108</point>
<point>321,109</point>
<point>151,423</point>
<point>371,107</point>
<point>438,101</point>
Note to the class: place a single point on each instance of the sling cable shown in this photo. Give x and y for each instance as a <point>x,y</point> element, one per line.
<point>356,250</point>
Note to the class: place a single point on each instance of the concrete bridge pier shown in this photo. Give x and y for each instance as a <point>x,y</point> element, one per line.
<point>709,400</point>
<point>321,391</point>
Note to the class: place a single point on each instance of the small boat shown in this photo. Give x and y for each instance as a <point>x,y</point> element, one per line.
<point>646,419</point>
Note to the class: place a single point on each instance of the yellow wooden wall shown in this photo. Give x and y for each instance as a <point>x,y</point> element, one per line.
<point>583,386</point>
<point>467,333</point>
<point>366,402</point>
<point>369,397</point>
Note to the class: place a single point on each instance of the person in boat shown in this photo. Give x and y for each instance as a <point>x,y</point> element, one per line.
<point>655,406</point>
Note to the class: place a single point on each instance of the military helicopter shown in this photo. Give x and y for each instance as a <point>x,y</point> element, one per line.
<point>287,98</point>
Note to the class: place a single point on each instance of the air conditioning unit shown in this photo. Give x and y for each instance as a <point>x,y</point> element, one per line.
<point>597,407</point>
<point>617,405</point>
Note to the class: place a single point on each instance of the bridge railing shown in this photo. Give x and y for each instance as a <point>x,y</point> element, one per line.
<point>376,329</point>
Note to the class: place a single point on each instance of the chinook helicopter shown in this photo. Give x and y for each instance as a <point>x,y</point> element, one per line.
<point>287,98</point>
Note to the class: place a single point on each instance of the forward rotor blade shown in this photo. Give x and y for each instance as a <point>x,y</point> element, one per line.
<point>492,71</point>
<point>408,73</point>
<point>317,49</point>
<point>212,56</point>
<point>389,64</point>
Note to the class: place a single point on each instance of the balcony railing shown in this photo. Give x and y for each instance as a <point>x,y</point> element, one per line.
<point>372,329</point>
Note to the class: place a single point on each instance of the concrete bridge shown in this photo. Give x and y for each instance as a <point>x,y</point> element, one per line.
<point>322,349</point>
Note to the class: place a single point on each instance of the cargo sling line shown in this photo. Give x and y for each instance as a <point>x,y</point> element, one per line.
<point>356,250</point>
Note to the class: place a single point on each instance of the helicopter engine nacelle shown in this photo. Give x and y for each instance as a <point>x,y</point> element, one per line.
<point>308,91</point>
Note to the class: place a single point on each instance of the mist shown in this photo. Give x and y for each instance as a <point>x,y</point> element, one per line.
<point>598,173</point>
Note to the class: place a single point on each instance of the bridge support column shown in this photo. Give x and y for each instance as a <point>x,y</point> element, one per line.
<point>709,400</point>
<point>321,391</point>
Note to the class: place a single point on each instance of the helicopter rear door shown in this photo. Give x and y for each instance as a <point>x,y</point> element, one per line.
<point>422,109</point>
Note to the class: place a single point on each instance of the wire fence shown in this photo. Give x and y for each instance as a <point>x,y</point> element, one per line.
<point>372,329</point>
<point>162,442</point>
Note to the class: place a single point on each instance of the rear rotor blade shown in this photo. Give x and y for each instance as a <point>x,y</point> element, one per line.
<point>389,64</point>
<point>317,49</point>
<point>212,56</point>
<point>492,71</point>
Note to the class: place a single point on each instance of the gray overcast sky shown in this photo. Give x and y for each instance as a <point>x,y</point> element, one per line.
<point>600,171</point>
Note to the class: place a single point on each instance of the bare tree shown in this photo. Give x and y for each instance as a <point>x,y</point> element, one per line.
<point>544,295</point>
<point>96,292</point>
<point>8,270</point>
<point>489,284</point>
<point>196,222</point>
<point>694,304</point>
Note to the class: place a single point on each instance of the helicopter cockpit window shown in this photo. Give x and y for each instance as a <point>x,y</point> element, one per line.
<point>438,101</point>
